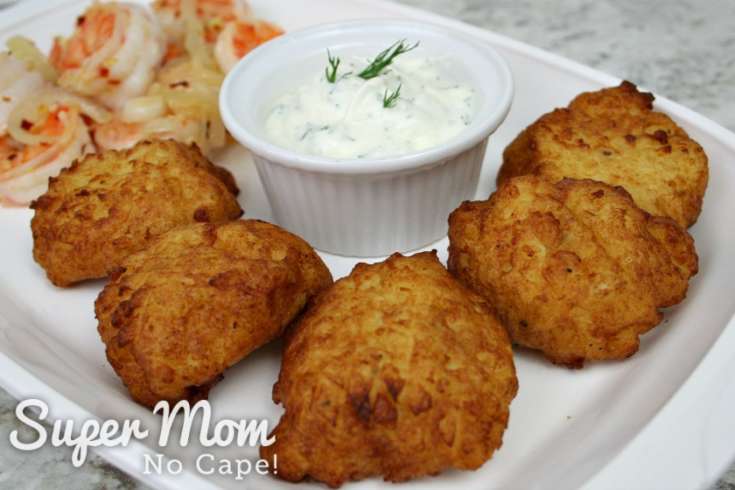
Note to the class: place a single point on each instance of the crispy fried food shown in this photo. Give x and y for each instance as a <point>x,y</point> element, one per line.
<point>110,205</point>
<point>574,269</point>
<point>199,299</point>
<point>615,136</point>
<point>398,370</point>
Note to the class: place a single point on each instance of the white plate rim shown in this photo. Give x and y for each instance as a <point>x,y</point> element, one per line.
<point>713,378</point>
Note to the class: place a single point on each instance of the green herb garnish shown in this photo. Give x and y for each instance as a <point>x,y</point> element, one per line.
<point>385,58</point>
<point>390,100</point>
<point>331,70</point>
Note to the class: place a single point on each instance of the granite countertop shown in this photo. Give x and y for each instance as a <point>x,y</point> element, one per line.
<point>684,49</point>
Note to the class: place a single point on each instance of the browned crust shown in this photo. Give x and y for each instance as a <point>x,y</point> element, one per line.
<point>575,269</point>
<point>199,299</point>
<point>106,206</point>
<point>398,371</point>
<point>614,136</point>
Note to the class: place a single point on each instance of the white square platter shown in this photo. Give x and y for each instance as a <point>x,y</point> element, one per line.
<point>662,419</point>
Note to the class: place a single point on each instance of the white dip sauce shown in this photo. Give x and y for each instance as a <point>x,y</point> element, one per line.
<point>347,119</point>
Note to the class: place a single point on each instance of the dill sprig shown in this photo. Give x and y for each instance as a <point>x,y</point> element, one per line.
<point>391,99</point>
<point>331,70</point>
<point>385,58</point>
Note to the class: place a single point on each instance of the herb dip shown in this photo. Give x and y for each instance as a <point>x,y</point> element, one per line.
<point>357,118</point>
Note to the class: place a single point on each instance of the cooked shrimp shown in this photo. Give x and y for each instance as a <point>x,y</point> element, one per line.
<point>120,135</point>
<point>239,38</point>
<point>55,142</point>
<point>214,14</point>
<point>180,105</point>
<point>42,128</point>
<point>112,55</point>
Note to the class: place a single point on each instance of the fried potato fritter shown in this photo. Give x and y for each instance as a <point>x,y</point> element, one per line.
<point>397,370</point>
<point>199,299</point>
<point>110,205</point>
<point>615,136</point>
<point>574,269</point>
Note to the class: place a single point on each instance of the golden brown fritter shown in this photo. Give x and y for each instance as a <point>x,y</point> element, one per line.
<point>199,299</point>
<point>615,136</point>
<point>573,269</point>
<point>399,371</point>
<point>107,206</point>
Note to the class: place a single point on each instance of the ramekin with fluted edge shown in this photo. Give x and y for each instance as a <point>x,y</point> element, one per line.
<point>365,207</point>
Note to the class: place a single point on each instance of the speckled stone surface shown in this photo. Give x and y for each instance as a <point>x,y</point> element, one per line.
<point>684,49</point>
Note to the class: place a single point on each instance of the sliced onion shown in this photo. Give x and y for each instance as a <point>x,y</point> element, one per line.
<point>35,108</point>
<point>17,83</point>
<point>95,111</point>
<point>141,109</point>
<point>217,133</point>
<point>25,50</point>
<point>162,125</point>
<point>191,104</point>
<point>194,41</point>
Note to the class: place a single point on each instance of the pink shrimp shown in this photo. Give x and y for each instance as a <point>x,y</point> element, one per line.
<point>214,14</point>
<point>26,168</point>
<point>112,55</point>
<point>239,38</point>
<point>119,135</point>
<point>93,30</point>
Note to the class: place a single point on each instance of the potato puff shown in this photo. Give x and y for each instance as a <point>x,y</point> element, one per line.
<point>574,269</point>
<point>399,371</point>
<point>614,136</point>
<point>110,205</point>
<point>198,300</point>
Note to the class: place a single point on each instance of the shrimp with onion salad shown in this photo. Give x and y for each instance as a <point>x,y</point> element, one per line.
<point>213,14</point>
<point>124,75</point>
<point>42,128</point>
<point>112,55</point>
<point>228,26</point>
<point>182,104</point>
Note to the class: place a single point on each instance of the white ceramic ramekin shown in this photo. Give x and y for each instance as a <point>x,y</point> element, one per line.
<point>364,208</point>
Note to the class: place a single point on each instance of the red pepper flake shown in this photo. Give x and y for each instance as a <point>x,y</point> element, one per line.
<point>26,125</point>
<point>113,82</point>
<point>12,156</point>
<point>104,72</point>
<point>80,20</point>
